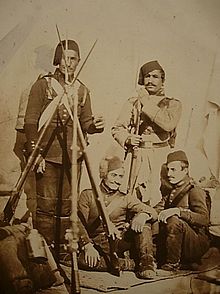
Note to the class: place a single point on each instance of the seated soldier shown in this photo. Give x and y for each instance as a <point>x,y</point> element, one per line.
<point>25,269</point>
<point>183,215</point>
<point>137,233</point>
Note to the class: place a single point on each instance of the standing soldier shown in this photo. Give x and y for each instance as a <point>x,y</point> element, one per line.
<point>147,127</point>
<point>53,173</point>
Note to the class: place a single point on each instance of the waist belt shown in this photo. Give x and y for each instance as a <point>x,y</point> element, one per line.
<point>149,144</point>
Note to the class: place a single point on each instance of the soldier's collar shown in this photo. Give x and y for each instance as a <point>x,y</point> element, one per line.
<point>185,180</point>
<point>106,189</point>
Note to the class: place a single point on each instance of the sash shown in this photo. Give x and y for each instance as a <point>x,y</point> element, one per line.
<point>67,101</point>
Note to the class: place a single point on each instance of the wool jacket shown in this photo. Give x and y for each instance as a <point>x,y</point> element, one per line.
<point>193,203</point>
<point>58,136</point>
<point>161,118</point>
<point>126,203</point>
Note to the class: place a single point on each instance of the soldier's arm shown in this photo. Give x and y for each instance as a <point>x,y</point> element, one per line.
<point>34,108</point>
<point>121,131</point>
<point>198,213</point>
<point>83,213</point>
<point>168,117</point>
<point>160,205</point>
<point>86,117</point>
<point>136,206</point>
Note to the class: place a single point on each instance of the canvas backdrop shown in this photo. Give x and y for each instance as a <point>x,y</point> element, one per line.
<point>182,35</point>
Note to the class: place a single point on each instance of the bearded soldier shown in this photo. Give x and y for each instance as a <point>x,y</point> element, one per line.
<point>53,171</point>
<point>148,123</point>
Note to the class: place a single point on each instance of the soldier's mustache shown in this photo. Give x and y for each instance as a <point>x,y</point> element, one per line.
<point>117,183</point>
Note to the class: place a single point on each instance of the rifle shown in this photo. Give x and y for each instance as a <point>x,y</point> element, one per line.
<point>15,194</point>
<point>34,157</point>
<point>110,229</point>
<point>132,153</point>
<point>72,234</point>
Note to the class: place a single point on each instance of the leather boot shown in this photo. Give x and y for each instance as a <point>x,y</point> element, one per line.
<point>146,267</point>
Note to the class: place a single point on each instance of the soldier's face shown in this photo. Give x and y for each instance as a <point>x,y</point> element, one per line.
<point>72,60</point>
<point>153,82</point>
<point>114,178</point>
<point>176,172</point>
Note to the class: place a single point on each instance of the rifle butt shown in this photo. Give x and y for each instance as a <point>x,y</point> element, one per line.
<point>75,282</point>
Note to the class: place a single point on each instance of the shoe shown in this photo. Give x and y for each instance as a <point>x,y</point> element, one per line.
<point>147,268</point>
<point>59,279</point>
<point>170,266</point>
<point>147,274</point>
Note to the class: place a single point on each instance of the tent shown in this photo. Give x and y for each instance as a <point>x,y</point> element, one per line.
<point>182,35</point>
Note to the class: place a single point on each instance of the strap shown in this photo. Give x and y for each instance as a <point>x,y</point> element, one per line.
<point>72,93</point>
<point>185,189</point>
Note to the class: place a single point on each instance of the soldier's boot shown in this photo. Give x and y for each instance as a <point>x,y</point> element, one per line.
<point>145,267</point>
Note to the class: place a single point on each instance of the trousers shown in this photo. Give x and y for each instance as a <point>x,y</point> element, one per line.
<point>54,202</point>
<point>140,246</point>
<point>184,243</point>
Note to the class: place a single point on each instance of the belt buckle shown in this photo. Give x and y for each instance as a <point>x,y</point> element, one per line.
<point>148,144</point>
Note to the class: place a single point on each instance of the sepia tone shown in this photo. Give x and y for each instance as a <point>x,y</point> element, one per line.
<point>183,36</point>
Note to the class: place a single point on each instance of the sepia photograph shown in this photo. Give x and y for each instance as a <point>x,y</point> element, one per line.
<point>110,146</point>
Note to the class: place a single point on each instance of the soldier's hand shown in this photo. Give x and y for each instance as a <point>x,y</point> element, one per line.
<point>114,232</point>
<point>133,140</point>
<point>139,221</point>
<point>91,255</point>
<point>165,214</point>
<point>99,122</point>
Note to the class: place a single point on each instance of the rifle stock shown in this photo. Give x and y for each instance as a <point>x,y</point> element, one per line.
<point>134,153</point>
<point>15,194</point>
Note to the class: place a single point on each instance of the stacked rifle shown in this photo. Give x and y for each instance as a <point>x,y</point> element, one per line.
<point>34,158</point>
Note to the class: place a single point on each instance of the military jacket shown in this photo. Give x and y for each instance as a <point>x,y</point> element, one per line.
<point>192,202</point>
<point>58,137</point>
<point>126,203</point>
<point>161,119</point>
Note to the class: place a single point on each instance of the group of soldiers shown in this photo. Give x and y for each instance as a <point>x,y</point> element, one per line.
<point>160,217</point>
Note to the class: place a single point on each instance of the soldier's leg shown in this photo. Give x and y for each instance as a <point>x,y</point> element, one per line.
<point>145,265</point>
<point>47,185</point>
<point>195,244</point>
<point>182,243</point>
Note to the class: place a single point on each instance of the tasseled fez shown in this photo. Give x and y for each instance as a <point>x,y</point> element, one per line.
<point>108,164</point>
<point>148,67</point>
<point>177,156</point>
<point>72,45</point>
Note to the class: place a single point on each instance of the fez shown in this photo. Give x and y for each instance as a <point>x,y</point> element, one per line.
<point>148,67</point>
<point>177,156</point>
<point>72,45</point>
<point>109,164</point>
